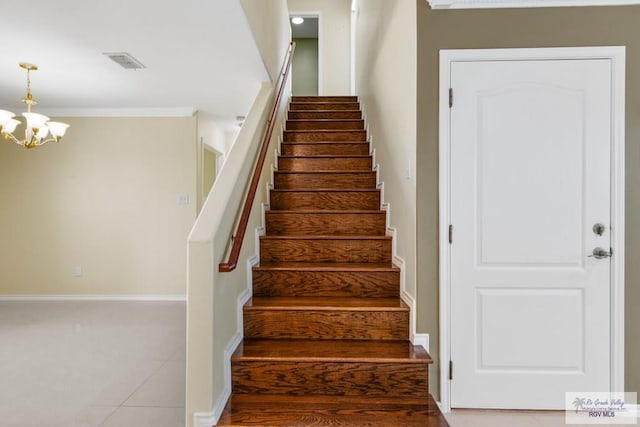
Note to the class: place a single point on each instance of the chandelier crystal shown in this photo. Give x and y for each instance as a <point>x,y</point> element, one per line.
<point>39,130</point>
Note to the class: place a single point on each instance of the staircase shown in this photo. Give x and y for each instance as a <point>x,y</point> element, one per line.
<point>326,335</point>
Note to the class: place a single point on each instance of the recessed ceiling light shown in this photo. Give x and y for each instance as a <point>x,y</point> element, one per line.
<point>297,20</point>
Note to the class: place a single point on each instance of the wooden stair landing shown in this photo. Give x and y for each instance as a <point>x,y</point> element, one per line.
<point>304,411</point>
<point>326,334</point>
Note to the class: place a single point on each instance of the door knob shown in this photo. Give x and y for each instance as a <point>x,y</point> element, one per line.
<point>599,253</point>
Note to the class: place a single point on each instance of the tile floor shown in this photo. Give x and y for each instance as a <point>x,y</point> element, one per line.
<point>492,418</point>
<point>86,363</point>
<point>122,364</point>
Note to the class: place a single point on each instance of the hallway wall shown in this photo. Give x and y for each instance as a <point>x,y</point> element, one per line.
<point>513,28</point>
<point>386,85</point>
<point>304,72</point>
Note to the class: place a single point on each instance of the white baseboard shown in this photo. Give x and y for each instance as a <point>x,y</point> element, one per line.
<point>204,419</point>
<point>152,298</point>
<point>421,339</point>
<point>441,408</point>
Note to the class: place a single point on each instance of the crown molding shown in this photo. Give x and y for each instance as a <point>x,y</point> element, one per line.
<point>119,112</point>
<point>491,4</point>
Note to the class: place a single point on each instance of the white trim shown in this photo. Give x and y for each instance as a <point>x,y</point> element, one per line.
<point>320,56</point>
<point>119,112</point>
<point>423,340</point>
<point>314,14</point>
<point>617,56</point>
<point>204,419</point>
<point>177,298</point>
<point>355,13</point>
<point>490,4</point>
<point>618,61</point>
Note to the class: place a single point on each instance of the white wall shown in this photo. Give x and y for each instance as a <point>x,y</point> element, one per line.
<point>104,199</point>
<point>269,22</point>
<point>386,85</point>
<point>335,41</point>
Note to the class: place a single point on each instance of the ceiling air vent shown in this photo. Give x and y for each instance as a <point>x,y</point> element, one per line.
<point>125,60</point>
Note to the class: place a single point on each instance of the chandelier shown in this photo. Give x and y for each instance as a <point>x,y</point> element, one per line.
<point>38,126</point>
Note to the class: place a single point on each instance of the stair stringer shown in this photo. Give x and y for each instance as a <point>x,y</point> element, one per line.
<point>414,336</point>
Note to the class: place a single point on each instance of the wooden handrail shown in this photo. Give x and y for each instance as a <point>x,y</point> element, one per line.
<point>232,263</point>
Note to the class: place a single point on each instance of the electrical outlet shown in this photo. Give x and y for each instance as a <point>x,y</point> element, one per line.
<point>183,199</point>
<point>77,271</point>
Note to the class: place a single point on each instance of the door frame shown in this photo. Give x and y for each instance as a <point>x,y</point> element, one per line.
<point>617,56</point>
<point>314,14</point>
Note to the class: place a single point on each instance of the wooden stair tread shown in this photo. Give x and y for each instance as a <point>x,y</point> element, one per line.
<point>328,172</point>
<point>331,350</point>
<point>352,411</point>
<point>326,303</point>
<point>327,211</point>
<point>326,156</point>
<point>324,237</point>
<point>324,114</point>
<point>322,142</point>
<point>330,190</point>
<point>325,131</point>
<point>337,171</point>
<point>323,98</point>
<point>324,120</point>
<point>327,111</point>
<point>325,266</point>
<point>327,102</point>
<point>328,198</point>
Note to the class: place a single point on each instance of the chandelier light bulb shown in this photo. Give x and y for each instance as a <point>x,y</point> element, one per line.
<point>38,126</point>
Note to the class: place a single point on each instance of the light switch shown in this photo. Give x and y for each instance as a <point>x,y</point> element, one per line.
<point>183,199</point>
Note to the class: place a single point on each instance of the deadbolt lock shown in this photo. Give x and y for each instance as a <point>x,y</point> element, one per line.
<point>599,229</point>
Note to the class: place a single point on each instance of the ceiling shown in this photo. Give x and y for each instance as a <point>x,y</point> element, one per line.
<point>307,30</point>
<point>199,54</point>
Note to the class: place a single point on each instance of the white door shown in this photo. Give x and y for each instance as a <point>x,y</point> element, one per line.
<point>530,177</point>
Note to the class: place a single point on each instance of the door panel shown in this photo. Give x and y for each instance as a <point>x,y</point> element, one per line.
<point>530,176</point>
<point>510,144</point>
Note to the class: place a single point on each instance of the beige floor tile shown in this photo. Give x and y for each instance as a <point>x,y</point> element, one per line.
<point>164,388</point>
<point>93,416</point>
<point>146,417</point>
<point>490,418</point>
<point>554,419</point>
<point>72,364</point>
